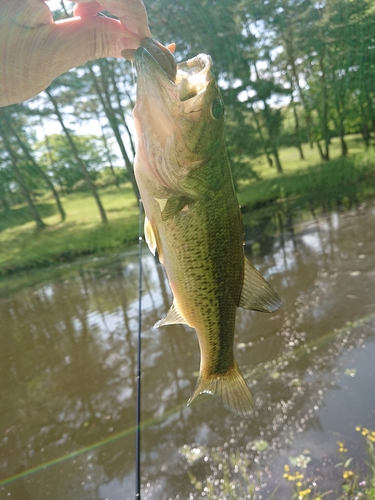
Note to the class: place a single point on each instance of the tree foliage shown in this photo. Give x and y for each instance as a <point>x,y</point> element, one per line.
<point>291,71</point>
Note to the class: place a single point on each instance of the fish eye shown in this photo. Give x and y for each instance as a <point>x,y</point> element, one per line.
<point>217,109</point>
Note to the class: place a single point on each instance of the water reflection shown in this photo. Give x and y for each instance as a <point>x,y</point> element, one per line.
<point>67,370</point>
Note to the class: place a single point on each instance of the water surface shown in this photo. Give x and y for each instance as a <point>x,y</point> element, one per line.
<point>68,376</point>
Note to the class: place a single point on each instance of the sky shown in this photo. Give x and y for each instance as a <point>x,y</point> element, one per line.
<point>91,127</point>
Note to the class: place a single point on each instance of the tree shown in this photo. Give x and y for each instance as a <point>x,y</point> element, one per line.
<point>103,84</point>
<point>55,157</point>
<point>13,162</point>
<point>22,142</point>
<point>76,155</point>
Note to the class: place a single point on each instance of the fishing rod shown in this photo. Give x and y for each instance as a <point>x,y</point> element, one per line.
<point>138,396</point>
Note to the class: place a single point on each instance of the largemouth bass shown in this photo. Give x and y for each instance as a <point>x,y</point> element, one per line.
<point>193,219</point>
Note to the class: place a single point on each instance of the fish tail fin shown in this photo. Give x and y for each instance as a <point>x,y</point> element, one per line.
<point>229,388</point>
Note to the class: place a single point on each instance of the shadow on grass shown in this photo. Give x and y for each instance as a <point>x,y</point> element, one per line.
<point>19,216</point>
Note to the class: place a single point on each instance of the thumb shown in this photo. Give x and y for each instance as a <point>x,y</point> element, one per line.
<point>77,40</point>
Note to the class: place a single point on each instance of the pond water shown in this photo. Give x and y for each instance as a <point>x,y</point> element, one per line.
<point>68,377</point>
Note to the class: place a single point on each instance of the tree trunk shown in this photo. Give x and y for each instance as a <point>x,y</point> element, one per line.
<point>49,149</point>
<point>344,147</point>
<point>308,115</point>
<point>25,149</point>
<point>78,159</point>
<point>366,134</point>
<point>262,139</point>
<point>297,127</point>
<point>371,109</point>
<point>122,114</point>
<point>4,200</point>
<point>339,126</point>
<point>272,140</point>
<point>34,213</point>
<point>277,159</point>
<point>325,128</point>
<point>17,174</point>
<point>111,116</point>
<point>320,150</point>
<point>106,147</point>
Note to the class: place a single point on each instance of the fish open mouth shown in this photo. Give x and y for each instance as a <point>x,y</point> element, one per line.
<point>190,77</point>
<point>193,76</point>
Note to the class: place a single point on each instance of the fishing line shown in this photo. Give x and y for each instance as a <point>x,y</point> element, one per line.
<point>138,397</point>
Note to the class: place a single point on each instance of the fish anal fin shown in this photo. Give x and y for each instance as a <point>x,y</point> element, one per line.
<point>229,388</point>
<point>173,317</point>
<point>257,294</point>
<point>172,206</point>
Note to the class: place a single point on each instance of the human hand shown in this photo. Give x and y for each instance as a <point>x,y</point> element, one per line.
<point>35,49</point>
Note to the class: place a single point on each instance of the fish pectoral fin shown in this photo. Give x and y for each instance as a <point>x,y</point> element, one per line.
<point>172,206</point>
<point>229,388</point>
<point>257,294</point>
<point>150,236</point>
<point>173,317</point>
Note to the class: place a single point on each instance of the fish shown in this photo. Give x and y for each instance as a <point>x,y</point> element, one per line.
<point>192,216</point>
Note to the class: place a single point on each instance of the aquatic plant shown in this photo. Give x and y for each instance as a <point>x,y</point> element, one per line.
<point>231,478</point>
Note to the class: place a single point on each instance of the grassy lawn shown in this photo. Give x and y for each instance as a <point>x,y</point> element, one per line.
<point>311,180</point>
<point>291,162</point>
<point>22,247</point>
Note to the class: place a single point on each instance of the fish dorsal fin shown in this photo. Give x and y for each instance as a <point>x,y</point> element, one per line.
<point>257,294</point>
<point>172,206</point>
<point>150,236</point>
<point>173,317</point>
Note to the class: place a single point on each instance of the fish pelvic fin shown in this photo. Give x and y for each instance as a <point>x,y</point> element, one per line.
<point>150,236</point>
<point>173,317</point>
<point>257,294</point>
<point>229,388</point>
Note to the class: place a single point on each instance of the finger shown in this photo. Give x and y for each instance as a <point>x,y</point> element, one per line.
<point>132,13</point>
<point>77,40</point>
<point>89,9</point>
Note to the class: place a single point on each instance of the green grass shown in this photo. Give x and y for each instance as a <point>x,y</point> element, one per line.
<point>305,183</point>
<point>24,247</point>
<point>311,181</point>
<point>291,162</point>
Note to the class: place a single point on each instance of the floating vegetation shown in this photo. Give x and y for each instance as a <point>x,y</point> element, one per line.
<point>231,476</point>
<point>352,487</point>
<point>301,461</point>
<point>193,454</point>
<point>260,445</point>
